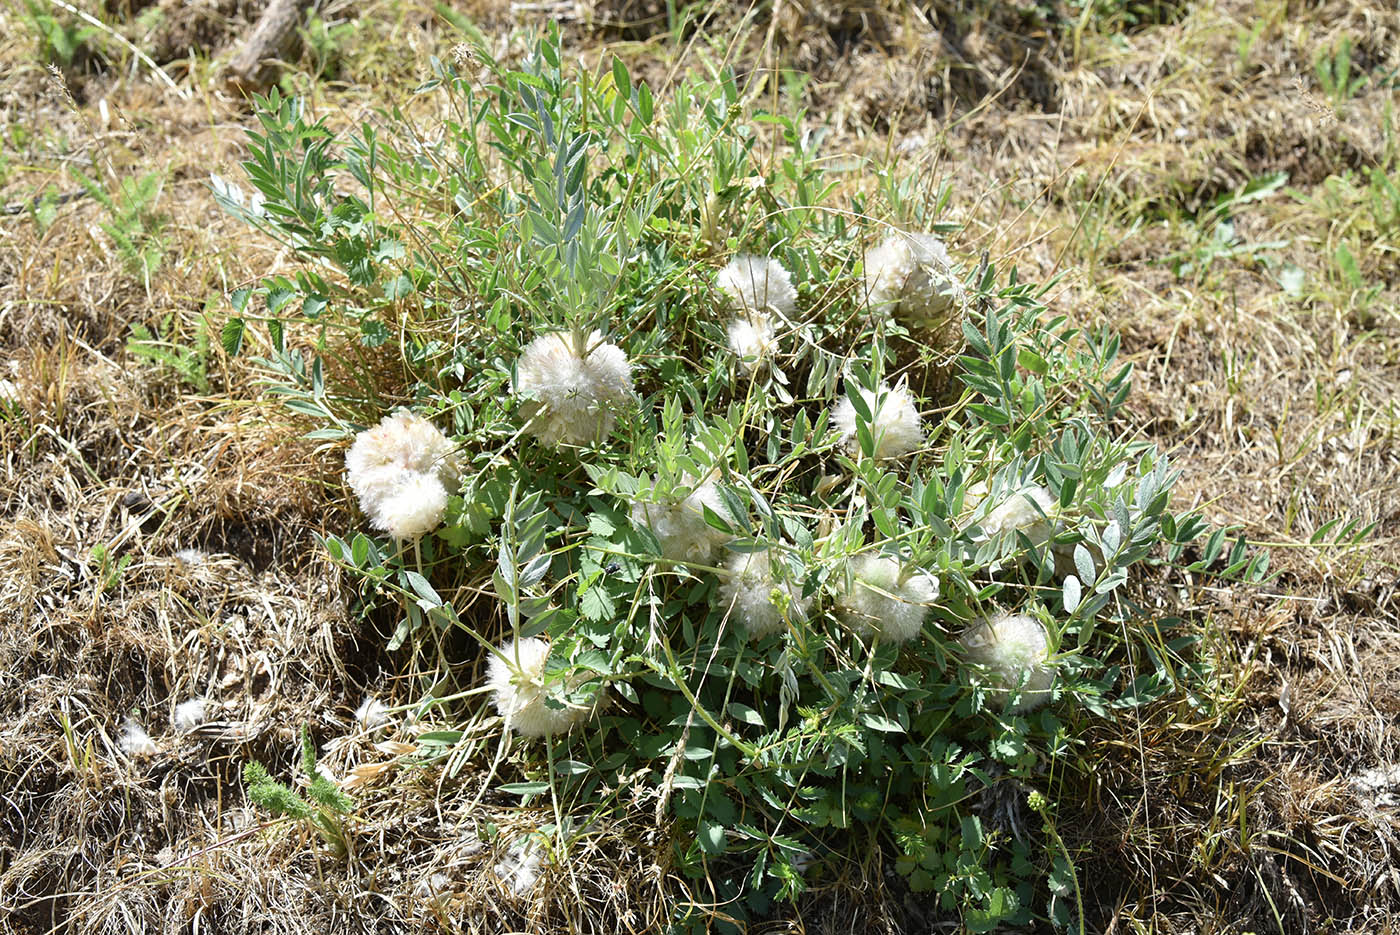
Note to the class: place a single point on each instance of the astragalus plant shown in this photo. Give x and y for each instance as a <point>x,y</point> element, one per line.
<point>763,591</point>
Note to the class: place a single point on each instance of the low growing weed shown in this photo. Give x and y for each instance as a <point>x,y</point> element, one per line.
<point>135,225</point>
<point>700,541</point>
<point>325,808</point>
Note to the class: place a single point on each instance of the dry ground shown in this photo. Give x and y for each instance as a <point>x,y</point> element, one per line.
<point>1089,147</point>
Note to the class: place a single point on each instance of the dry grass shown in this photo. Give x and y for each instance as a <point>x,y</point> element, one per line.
<point>1270,806</point>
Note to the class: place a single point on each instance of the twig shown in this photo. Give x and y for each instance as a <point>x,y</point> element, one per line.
<point>19,207</point>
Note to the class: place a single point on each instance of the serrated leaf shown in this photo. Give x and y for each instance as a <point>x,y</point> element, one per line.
<point>231,336</point>
<point>596,605</point>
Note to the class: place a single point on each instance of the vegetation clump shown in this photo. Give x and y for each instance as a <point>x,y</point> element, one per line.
<point>824,619</point>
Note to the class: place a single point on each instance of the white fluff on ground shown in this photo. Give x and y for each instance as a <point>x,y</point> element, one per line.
<point>372,714</point>
<point>519,869</point>
<point>189,714</point>
<point>134,741</point>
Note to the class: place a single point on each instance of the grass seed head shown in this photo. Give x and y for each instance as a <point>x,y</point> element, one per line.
<point>570,398</point>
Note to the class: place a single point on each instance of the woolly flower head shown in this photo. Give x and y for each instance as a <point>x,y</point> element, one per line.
<point>519,690</point>
<point>678,523</point>
<point>752,340</point>
<point>1030,510</point>
<point>1014,650</point>
<point>401,470</point>
<point>911,275</point>
<point>883,600</point>
<point>895,423</point>
<point>570,397</point>
<point>757,284</point>
<point>758,600</point>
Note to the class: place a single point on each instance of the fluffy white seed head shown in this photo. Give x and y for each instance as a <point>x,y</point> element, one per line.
<point>401,470</point>
<point>752,340</point>
<point>757,284</point>
<point>883,600</point>
<point>519,690</point>
<point>895,422</point>
<point>911,275</point>
<point>1014,650</point>
<point>372,714</point>
<point>414,509</point>
<point>1031,510</point>
<point>189,714</point>
<point>400,443</point>
<point>134,741</point>
<point>679,524</point>
<point>569,398</point>
<point>755,597</point>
